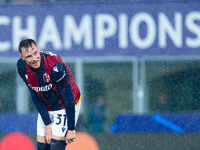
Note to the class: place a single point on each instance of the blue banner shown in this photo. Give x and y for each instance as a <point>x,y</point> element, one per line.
<point>11,122</point>
<point>124,123</point>
<point>179,123</point>
<point>103,29</point>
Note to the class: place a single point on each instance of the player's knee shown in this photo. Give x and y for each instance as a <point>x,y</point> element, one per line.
<point>43,146</point>
<point>57,145</point>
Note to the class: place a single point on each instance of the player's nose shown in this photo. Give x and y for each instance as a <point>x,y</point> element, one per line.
<point>34,58</point>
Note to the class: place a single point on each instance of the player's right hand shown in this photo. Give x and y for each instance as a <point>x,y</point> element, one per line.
<point>48,133</point>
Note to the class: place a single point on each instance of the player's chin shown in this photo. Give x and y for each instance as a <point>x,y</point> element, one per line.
<point>35,66</point>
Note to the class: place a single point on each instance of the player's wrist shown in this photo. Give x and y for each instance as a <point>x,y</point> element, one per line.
<point>49,124</point>
<point>71,128</point>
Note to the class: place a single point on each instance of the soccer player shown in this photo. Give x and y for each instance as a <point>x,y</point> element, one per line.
<point>54,93</point>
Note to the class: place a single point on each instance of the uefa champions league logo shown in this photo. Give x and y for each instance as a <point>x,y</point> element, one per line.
<point>46,77</point>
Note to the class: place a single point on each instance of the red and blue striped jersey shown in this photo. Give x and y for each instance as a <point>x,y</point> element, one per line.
<point>52,86</point>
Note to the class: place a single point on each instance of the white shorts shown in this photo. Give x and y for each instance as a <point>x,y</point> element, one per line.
<point>59,122</point>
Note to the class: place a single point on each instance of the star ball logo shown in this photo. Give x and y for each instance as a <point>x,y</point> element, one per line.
<point>46,77</point>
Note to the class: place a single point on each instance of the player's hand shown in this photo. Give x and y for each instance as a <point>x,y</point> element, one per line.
<point>71,135</point>
<point>48,133</point>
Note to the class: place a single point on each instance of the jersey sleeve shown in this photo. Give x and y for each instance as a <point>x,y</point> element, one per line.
<point>59,74</point>
<point>41,107</point>
<point>61,78</point>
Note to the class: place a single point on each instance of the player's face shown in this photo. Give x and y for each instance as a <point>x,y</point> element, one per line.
<point>32,56</point>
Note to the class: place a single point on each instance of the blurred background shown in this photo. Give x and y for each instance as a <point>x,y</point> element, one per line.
<point>137,63</point>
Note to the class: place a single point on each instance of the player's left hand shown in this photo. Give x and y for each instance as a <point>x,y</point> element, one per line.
<point>71,135</point>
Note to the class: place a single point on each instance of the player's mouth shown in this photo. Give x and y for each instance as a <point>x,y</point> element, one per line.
<point>35,63</point>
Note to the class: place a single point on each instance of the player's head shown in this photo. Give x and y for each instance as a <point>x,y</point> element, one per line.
<point>30,52</point>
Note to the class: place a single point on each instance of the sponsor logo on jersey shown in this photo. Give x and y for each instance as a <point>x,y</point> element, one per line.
<point>42,88</point>
<point>46,77</point>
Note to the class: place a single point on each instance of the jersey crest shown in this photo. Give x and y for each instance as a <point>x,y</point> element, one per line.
<point>46,77</point>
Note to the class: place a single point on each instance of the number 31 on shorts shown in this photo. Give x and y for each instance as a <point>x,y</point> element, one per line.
<point>61,119</point>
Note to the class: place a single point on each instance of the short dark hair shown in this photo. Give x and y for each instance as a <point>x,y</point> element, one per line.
<point>26,44</point>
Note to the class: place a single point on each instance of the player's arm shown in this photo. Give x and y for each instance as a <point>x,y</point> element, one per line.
<point>41,106</point>
<point>61,78</point>
<point>42,109</point>
<point>39,103</point>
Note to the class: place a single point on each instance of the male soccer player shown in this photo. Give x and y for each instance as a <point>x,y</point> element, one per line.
<point>54,93</point>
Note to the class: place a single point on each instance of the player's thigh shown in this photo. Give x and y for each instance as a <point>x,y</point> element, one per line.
<point>40,127</point>
<point>58,138</point>
<point>59,125</point>
<point>41,139</point>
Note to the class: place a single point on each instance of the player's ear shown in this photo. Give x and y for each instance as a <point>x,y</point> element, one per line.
<point>21,56</point>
